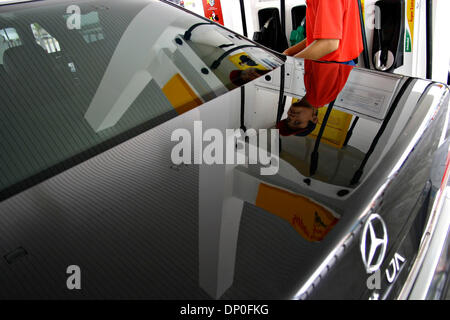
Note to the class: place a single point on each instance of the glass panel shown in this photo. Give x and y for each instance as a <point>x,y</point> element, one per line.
<point>129,67</point>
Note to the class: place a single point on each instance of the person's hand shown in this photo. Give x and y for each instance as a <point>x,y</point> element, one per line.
<point>291,51</point>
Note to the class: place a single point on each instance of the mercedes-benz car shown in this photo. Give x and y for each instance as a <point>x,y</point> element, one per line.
<point>149,153</point>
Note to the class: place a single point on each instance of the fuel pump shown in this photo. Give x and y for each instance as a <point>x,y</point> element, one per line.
<point>388,37</point>
<point>298,33</point>
<point>408,37</point>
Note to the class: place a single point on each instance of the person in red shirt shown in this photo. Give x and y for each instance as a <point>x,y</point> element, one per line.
<point>333,32</point>
<point>323,83</point>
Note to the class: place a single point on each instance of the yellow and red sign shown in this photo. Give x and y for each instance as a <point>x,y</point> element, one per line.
<point>310,219</point>
<point>243,61</point>
<point>410,13</point>
<point>213,10</point>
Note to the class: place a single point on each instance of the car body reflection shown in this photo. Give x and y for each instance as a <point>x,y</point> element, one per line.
<point>87,177</point>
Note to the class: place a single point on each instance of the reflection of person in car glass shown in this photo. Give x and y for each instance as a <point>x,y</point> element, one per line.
<point>241,77</point>
<point>323,83</point>
<point>301,119</point>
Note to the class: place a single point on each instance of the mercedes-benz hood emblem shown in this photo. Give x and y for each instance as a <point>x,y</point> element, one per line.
<point>374,240</point>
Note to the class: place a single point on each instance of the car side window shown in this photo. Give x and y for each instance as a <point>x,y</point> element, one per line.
<point>9,38</point>
<point>45,39</point>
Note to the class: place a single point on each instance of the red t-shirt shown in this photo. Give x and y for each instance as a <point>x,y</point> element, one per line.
<point>324,81</point>
<point>335,19</point>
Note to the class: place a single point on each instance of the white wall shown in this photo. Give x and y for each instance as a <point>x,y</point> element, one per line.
<point>441,40</point>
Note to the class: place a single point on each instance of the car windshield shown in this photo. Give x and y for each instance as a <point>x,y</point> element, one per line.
<point>76,80</point>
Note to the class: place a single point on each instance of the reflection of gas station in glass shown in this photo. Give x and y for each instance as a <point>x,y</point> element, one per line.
<point>336,165</point>
<point>232,59</point>
<point>323,83</point>
<point>353,130</point>
<point>187,59</point>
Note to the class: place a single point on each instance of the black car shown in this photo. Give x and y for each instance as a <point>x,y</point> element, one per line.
<point>139,160</point>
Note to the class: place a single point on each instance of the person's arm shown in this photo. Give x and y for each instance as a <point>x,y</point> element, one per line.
<point>295,48</point>
<point>318,49</point>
